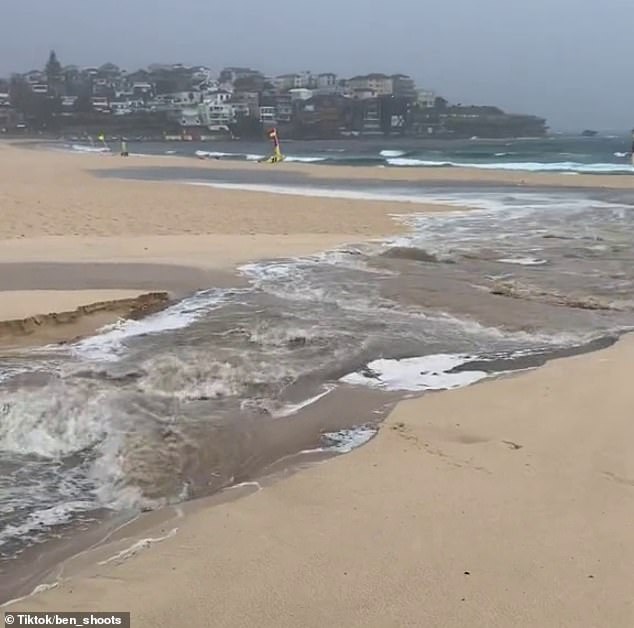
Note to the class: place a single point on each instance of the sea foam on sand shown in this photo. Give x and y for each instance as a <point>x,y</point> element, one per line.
<point>430,372</point>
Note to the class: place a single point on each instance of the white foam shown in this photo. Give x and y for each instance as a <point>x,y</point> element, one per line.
<point>191,376</point>
<point>107,344</point>
<point>565,166</point>
<point>392,153</point>
<point>204,154</point>
<point>428,372</point>
<point>8,372</point>
<point>408,161</point>
<point>40,588</point>
<point>344,441</point>
<point>291,409</point>
<point>52,423</point>
<point>306,160</point>
<point>523,261</point>
<point>248,484</point>
<point>137,547</point>
<point>56,515</point>
<point>80,148</point>
<point>213,153</point>
<point>313,192</point>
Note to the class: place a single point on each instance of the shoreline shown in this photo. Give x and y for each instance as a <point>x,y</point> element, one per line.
<point>444,502</point>
<point>114,533</point>
<point>67,556</point>
<point>310,170</point>
<point>94,309</point>
<point>454,452</point>
<point>55,289</point>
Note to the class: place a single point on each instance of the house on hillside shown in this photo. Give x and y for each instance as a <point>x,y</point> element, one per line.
<point>380,83</point>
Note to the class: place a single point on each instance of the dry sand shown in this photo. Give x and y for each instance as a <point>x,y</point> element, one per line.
<point>48,193</point>
<point>63,230</point>
<point>23,303</point>
<point>505,504</point>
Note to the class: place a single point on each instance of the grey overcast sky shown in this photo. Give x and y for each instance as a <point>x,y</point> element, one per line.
<point>568,60</point>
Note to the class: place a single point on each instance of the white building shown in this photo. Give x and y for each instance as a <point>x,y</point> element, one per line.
<point>181,98</point>
<point>267,115</point>
<point>364,93</point>
<point>34,77</point>
<point>217,97</point>
<point>68,102</point>
<point>326,80</point>
<point>142,88</point>
<point>190,116</point>
<point>285,82</point>
<point>120,108</point>
<point>426,98</point>
<point>126,106</point>
<point>100,103</point>
<point>300,93</point>
<point>380,83</point>
<point>202,74</point>
<point>220,116</point>
<point>241,108</point>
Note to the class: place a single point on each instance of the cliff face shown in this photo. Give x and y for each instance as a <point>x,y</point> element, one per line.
<point>495,126</point>
<point>484,122</point>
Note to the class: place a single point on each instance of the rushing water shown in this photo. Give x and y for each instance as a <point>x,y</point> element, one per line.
<point>185,402</point>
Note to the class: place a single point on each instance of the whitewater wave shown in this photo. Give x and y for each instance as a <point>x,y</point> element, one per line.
<point>52,423</point>
<point>204,154</point>
<point>392,153</point>
<point>563,166</point>
<point>80,148</point>
<point>303,160</point>
<point>108,344</point>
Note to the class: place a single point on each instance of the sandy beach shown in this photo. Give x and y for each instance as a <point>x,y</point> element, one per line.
<point>55,212</point>
<point>507,503</point>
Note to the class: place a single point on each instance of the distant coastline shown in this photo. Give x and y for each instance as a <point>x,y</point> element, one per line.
<point>193,103</point>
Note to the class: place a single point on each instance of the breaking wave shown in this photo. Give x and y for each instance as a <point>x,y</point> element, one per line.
<point>80,148</point>
<point>564,166</point>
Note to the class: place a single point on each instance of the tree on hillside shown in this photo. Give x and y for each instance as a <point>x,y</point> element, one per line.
<point>54,74</point>
<point>249,84</point>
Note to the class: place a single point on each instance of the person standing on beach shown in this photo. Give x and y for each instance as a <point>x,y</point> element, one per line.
<point>124,148</point>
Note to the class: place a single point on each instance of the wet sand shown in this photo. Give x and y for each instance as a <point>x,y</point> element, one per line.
<point>265,450</point>
<point>469,508</point>
<point>64,231</point>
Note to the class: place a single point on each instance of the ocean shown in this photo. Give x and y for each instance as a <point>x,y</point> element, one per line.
<point>604,154</point>
<point>305,356</point>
